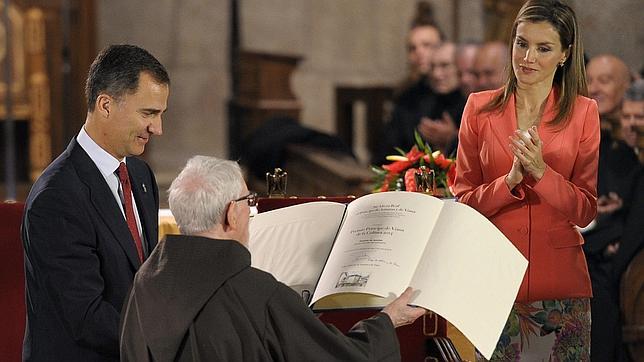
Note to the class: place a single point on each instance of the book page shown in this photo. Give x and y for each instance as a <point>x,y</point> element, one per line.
<point>292,243</point>
<point>379,244</point>
<point>470,274</point>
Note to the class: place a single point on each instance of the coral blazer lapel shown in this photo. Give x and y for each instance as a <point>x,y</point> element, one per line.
<point>504,129</point>
<point>547,133</point>
<point>504,126</point>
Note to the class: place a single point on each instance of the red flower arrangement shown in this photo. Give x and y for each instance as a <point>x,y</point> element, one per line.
<point>399,174</point>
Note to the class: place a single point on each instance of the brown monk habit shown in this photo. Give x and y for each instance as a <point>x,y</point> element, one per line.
<point>199,299</point>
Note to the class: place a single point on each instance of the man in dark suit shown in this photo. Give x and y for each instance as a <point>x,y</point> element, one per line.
<point>632,123</point>
<point>617,236</point>
<point>91,217</point>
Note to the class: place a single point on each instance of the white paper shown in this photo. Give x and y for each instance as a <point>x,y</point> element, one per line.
<point>370,253</point>
<point>470,275</point>
<point>292,244</point>
<point>462,266</point>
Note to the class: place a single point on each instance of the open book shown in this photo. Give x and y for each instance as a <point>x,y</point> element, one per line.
<point>366,253</point>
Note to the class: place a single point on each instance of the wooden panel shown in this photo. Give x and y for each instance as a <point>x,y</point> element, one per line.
<point>314,172</point>
<point>414,338</point>
<point>81,52</point>
<point>499,16</point>
<point>379,103</point>
<point>30,91</point>
<point>57,90</point>
<point>264,91</point>
<point>266,76</point>
<point>17,54</point>
<point>251,114</point>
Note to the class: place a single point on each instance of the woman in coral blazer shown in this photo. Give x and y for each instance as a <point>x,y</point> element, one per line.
<point>527,160</point>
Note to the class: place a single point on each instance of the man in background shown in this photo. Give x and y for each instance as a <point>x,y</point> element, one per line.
<point>489,66</point>
<point>423,38</point>
<point>632,240</point>
<point>608,77</point>
<point>91,217</point>
<point>416,93</point>
<point>442,117</point>
<point>617,165</point>
<point>198,298</point>
<point>465,57</point>
<point>632,117</point>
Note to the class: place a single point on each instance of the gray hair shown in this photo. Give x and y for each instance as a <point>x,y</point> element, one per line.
<point>200,194</point>
<point>635,93</point>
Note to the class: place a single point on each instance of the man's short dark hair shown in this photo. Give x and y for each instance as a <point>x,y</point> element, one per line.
<point>116,70</point>
<point>635,93</point>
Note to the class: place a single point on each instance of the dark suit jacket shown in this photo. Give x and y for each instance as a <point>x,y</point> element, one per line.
<point>617,166</point>
<point>80,258</point>
<point>414,103</point>
<point>633,237</point>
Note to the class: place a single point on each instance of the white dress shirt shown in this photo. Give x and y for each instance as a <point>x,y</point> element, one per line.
<point>108,165</point>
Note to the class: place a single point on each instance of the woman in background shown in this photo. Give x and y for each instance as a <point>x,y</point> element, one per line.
<point>423,39</point>
<point>527,160</point>
<point>415,97</point>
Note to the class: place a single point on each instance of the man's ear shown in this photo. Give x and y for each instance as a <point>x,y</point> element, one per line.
<point>230,221</point>
<point>104,104</point>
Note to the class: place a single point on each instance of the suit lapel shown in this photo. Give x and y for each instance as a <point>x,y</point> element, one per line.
<point>104,202</point>
<point>503,126</point>
<point>548,133</point>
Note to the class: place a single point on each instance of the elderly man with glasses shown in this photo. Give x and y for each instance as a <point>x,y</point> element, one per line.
<point>198,298</point>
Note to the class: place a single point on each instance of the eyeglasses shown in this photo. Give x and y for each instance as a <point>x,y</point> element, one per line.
<point>251,198</point>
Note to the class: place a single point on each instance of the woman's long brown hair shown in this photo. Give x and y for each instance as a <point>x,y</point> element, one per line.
<point>569,78</point>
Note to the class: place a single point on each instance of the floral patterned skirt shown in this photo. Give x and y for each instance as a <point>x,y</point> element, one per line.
<point>548,330</point>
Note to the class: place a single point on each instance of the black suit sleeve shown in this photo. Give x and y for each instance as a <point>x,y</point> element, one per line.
<point>633,238</point>
<point>62,259</point>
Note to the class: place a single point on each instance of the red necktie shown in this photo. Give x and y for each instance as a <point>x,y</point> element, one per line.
<point>129,209</point>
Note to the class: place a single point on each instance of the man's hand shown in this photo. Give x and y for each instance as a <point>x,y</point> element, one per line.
<point>609,204</point>
<point>400,313</point>
<point>438,132</point>
<point>611,249</point>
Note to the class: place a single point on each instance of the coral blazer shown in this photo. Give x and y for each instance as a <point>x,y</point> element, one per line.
<point>538,217</point>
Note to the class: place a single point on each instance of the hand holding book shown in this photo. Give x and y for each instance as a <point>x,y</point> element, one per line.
<point>400,312</point>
